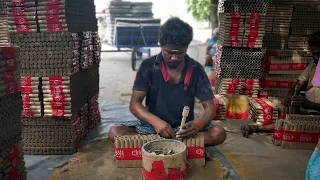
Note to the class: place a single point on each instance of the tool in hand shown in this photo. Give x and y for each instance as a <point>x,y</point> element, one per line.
<point>185,114</point>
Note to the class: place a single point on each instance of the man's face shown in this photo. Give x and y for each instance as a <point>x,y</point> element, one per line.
<point>315,54</point>
<point>174,55</point>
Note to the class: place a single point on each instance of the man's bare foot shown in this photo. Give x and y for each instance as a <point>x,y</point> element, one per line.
<point>248,129</point>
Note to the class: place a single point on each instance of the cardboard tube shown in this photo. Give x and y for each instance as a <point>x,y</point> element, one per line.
<point>185,114</point>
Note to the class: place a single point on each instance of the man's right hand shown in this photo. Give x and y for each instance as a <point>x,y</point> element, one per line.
<point>164,130</point>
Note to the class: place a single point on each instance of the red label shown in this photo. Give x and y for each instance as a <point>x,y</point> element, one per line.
<point>254,30</point>
<point>7,77</point>
<point>231,91</point>
<point>11,88</point>
<point>13,157</point>
<point>232,87</point>
<point>25,97</point>
<point>20,20</point>
<point>249,81</point>
<point>55,78</point>
<point>277,134</point>
<point>278,84</point>
<point>247,92</point>
<point>7,52</point>
<point>57,105</point>
<point>55,82</point>
<point>53,2</point>
<point>233,38</point>
<point>128,154</point>
<point>301,137</point>
<point>27,113</point>
<point>217,104</point>
<point>235,81</point>
<point>230,115</point>
<point>235,24</point>
<point>263,96</point>
<point>195,152</point>
<point>22,29</point>
<point>248,87</point>
<point>58,97</point>
<point>18,3</point>
<point>26,105</point>
<point>282,116</point>
<point>54,9</point>
<point>288,67</point>
<point>267,111</point>
<point>159,172</point>
<point>255,16</point>
<point>56,89</point>
<point>11,64</point>
<point>54,27</point>
<point>26,89</point>
<point>236,15</point>
<point>58,113</point>
<point>25,81</point>
<point>251,43</point>
<point>52,19</point>
<point>18,11</point>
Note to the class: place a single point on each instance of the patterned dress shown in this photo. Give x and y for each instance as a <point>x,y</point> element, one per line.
<point>313,169</point>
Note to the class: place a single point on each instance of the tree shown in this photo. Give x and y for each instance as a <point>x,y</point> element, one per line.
<point>200,9</point>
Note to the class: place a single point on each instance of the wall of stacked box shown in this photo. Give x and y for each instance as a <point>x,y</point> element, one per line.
<point>59,56</point>
<point>262,50</point>
<point>12,165</point>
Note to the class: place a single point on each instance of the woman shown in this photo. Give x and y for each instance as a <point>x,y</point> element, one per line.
<point>313,169</point>
<point>211,52</point>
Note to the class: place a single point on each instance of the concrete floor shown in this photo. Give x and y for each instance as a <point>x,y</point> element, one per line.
<point>254,158</point>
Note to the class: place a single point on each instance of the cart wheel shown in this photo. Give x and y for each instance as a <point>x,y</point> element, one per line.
<point>133,59</point>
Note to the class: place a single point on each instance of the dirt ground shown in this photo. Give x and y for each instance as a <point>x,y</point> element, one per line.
<point>254,158</point>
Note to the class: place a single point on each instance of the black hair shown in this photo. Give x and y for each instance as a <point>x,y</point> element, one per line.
<point>175,32</point>
<point>314,39</point>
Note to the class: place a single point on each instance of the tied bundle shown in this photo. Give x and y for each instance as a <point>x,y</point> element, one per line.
<point>249,87</point>
<point>51,136</point>
<point>220,107</point>
<point>128,149</point>
<point>281,69</point>
<point>31,103</point>
<point>277,27</point>
<point>10,65</point>
<point>12,165</point>
<point>241,63</point>
<point>300,132</point>
<point>262,111</point>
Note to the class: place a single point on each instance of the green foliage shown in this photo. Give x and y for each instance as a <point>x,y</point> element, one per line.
<point>200,9</point>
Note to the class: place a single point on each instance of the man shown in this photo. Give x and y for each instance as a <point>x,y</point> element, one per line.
<point>310,101</point>
<point>169,81</point>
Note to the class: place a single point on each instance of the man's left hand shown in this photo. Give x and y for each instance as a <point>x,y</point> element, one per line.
<point>189,129</point>
<point>301,101</point>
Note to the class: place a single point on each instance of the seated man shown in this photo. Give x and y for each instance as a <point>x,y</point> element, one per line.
<point>310,101</point>
<point>170,81</point>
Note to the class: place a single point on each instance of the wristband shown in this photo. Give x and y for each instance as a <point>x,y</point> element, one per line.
<point>198,124</point>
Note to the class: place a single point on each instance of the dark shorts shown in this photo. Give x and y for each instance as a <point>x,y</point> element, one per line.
<point>148,129</point>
